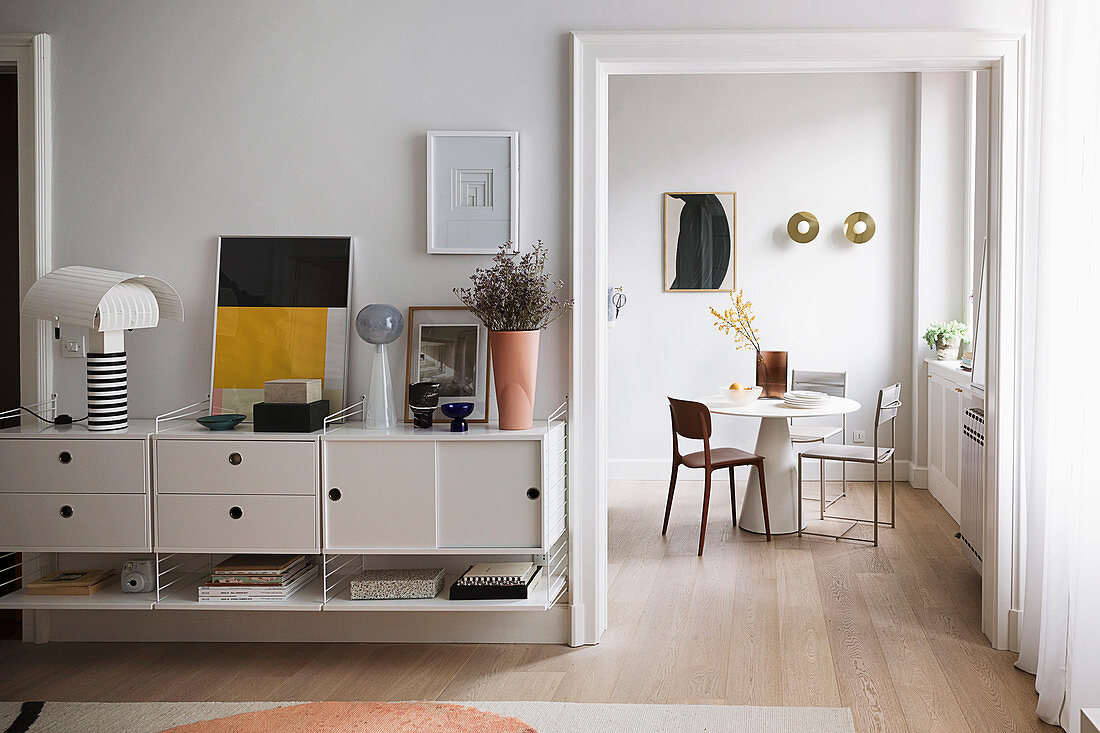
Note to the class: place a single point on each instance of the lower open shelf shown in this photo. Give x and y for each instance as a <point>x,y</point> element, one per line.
<point>107,599</point>
<point>309,598</point>
<point>535,601</point>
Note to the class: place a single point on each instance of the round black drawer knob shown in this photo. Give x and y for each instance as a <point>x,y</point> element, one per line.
<point>533,493</point>
<point>66,511</point>
<point>236,512</point>
<point>65,457</point>
<point>235,459</point>
<point>334,494</point>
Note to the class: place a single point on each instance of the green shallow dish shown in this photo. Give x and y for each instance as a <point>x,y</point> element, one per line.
<point>220,422</point>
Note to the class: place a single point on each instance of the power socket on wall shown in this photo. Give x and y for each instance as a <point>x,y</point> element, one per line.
<point>859,436</point>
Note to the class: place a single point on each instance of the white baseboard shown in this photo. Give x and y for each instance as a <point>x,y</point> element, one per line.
<point>452,627</point>
<point>918,476</point>
<point>659,469</point>
<point>945,493</point>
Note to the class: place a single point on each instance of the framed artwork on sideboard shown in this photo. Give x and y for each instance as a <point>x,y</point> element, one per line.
<point>449,345</point>
<point>281,312</point>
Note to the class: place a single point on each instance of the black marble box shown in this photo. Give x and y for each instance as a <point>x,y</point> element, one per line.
<point>272,417</point>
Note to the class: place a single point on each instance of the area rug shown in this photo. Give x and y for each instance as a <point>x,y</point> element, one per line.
<point>414,717</point>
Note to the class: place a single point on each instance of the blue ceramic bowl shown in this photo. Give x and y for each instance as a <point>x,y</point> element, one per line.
<point>456,410</point>
<point>221,422</point>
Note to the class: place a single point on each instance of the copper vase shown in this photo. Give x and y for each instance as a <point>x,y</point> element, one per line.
<point>771,373</point>
<point>515,356</point>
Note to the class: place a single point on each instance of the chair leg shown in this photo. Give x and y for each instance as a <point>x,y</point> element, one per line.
<point>733,497</point>
<point>706,506</point>
<point>764,500</point>
<point>799,495</point>
<point>821,487</point>
<point>893,507</point>
<point>671,491</point>
<point>875,476</point>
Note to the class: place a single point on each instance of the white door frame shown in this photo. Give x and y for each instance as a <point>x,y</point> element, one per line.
<point>30,53</point>
<point>597,56</point>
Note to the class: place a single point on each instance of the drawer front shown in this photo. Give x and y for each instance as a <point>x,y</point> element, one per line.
<point>108,465</point>
<point>105,522</point>
<point>236,467</point>
<point>379,494</point>
<point>237,523</point>
<point>483,493</point>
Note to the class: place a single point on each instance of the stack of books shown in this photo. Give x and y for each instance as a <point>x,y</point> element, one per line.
<point>494,581</point>
<point>72,583</point>
<point>257,578</point>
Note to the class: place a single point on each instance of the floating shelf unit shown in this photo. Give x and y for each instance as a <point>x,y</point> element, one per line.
<point>523,514</point>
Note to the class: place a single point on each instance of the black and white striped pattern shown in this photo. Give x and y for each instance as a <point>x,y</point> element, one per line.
<point>107,391</point>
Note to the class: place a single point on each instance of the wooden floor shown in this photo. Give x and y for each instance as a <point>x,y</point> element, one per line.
<point>893,633</point>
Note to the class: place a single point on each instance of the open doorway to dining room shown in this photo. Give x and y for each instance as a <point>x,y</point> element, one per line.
<point>904,144</point>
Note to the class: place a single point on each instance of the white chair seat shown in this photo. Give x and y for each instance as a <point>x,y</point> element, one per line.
<point>813,433</point>
<point>853,453</point>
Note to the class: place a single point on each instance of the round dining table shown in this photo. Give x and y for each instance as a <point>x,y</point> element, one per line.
<point>773,442</point>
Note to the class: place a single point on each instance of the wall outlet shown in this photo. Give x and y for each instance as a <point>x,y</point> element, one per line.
<point>859,436</point>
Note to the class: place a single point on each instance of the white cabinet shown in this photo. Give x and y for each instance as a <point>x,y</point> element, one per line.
<point>379,494</point>
<point>70,489</point>
<point>259,466</point>
<point>948,397</point>
<point>432,490</point>
<point>490,494</point>
<point>236,523</point>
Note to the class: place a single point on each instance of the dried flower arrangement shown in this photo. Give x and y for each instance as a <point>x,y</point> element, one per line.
<point>516,293</point>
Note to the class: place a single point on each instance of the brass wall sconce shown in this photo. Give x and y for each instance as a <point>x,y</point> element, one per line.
<point>859,227</point>
<point>803,227</point>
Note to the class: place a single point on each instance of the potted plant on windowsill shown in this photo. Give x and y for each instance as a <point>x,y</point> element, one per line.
<point>515,299</point>
<point>945,339</point>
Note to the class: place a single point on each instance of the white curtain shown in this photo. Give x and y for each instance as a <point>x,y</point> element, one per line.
<point>1060,626</point>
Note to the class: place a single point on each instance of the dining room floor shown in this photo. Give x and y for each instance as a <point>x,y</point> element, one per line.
<point>891,632</point>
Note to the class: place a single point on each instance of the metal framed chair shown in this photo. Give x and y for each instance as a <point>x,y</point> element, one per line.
<point>834,384</point>
<point>692,420</point>
<point>886,411</point>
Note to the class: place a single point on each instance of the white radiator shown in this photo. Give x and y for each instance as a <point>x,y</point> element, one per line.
<point>972,501</point>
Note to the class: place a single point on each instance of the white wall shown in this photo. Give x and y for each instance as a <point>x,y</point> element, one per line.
<point>828,144</point>
<point>178,121</point>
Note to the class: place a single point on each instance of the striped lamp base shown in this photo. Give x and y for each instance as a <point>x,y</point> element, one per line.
<point>107,391</point>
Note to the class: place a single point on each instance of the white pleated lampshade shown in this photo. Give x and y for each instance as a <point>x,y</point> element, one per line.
<point>102,300</point>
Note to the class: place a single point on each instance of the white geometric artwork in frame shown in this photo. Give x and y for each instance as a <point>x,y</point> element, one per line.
<point>473,191</point>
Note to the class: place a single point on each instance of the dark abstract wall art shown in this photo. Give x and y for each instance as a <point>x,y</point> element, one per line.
<point>700,241</point>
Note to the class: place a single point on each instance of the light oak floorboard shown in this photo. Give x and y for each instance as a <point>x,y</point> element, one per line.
<point>891,632</point>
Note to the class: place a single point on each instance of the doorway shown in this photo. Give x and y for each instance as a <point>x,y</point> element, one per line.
<point>596,57</point>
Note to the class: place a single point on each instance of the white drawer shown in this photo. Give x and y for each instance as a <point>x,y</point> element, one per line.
<point>236,467</point>
<point>237,523</point>
<point>109,465</point>
<point>58,522</point>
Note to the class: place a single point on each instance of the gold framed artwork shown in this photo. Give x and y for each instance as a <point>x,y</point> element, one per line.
<point>700,242</point>
<point>449,345</point>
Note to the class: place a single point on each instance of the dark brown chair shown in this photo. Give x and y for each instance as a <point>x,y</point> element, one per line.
<point>692,420</point>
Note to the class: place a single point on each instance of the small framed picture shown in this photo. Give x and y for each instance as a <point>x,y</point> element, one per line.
<point>700,242</point>
<point>449,345</point>
<point>473,191</point>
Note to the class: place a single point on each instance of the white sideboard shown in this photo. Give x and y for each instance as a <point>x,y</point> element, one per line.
<point>352,498</point>
<point>949,395</point>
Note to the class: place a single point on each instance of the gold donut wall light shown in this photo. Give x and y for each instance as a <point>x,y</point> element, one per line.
<point>855,233</point>
<point>794,227</point>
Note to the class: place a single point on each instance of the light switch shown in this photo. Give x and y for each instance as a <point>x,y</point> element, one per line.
<point>74,344</point>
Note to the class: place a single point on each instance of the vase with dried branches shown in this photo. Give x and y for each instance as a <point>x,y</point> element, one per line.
<point>515,298</point>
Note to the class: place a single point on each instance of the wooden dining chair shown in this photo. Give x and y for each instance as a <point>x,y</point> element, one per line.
<point>692,420</point>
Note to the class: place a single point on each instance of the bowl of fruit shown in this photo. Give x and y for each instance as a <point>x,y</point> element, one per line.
<point>739,395</point>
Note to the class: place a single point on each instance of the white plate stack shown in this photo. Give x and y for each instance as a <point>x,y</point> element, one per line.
<point>804,398</point>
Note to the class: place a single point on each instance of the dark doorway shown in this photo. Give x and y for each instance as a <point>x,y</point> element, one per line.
<point>9,281</point>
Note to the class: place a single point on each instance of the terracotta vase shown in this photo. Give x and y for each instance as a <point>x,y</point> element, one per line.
<point>515,357</point>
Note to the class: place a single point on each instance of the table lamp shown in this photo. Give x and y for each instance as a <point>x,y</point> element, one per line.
<point>108,303</point>
<point>379,324</point>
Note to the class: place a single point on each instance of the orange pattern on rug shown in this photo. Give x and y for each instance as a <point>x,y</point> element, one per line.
<point>362,717</point>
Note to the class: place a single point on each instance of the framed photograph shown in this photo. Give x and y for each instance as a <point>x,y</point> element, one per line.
<point>449,345</point>
<point>473,191</point>
<point>700,242</point>
<point>281,312</point>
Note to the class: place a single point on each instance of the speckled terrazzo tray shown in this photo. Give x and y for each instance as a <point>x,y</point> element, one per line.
<point>376,585</point>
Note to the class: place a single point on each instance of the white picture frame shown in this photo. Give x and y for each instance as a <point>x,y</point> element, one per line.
<point>472,191</point>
